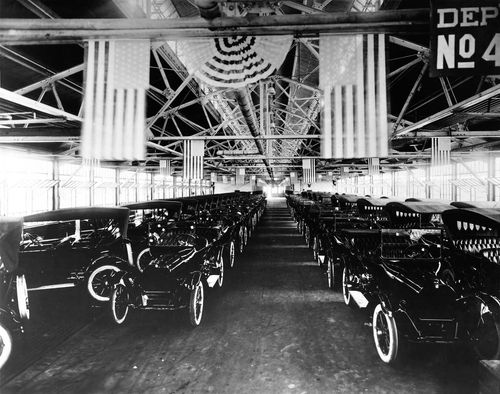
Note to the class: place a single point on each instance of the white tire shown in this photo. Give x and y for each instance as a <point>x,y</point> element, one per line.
<point>119,303</point>
<point>385,335</point>
<point>196,303</point>
<point>5,345</point>
<point>95,280</point>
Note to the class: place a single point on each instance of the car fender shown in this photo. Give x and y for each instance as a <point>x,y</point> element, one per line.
<point>108,259</point>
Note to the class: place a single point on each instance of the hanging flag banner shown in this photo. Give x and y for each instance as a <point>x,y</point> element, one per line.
<point>240,176</point>
<point>465,37</point>
<point>213,177</point>
<point>114,104</point>
<point>234,61</point>
<point>194,151</point>
<point>440,161</point>
<point>225,179</point>
<point>308,171</point>
<point>352,75</point>
<point>165,168</point>
<point>373,166</point>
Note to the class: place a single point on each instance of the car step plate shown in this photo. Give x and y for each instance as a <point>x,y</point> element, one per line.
<point>359,298</point>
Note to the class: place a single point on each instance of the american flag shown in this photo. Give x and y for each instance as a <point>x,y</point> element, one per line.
<point>165,168</point>
<point>193,159</point>
<point>373,166</point>
<point>353,79</point>
<point>116,79</point>
<point>308,171</point>
<point>240,176</point>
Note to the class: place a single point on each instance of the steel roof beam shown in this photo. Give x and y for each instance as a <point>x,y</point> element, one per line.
<point>47,31</point>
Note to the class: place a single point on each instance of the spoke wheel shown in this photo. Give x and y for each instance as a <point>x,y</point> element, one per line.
<point>486,334</point>
<point>231,254</point>
<point>385,335</point>
<point>245,236</point>
<point>22,297</point>
<point>345,288</point>
<point>316,249</point>
<point>330,274</point>
<point>119,303</point>
<point>143,259</point>
<point>196,303</point>
<point>98,283</point>
<point>5,345</point>
<point>220,281</point>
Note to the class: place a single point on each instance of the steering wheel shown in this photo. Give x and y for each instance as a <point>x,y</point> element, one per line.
<point>417,251</point>
<point>32,239</point>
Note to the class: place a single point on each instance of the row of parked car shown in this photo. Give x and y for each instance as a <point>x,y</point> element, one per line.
<point>159,254</point>
<point>427,271</point>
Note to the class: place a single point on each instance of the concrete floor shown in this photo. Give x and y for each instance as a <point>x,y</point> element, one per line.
<point>273,328</point>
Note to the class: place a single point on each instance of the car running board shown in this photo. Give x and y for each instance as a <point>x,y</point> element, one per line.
<point>359,298</point>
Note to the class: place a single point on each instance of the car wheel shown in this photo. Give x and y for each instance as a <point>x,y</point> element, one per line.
<point>220,281</point>
<point>245,236</point>
<point>231,254</point>
<point>316,249</point>
<point>143,259</point>
<point>22,297</point>
<point>385,335</point>
<point>196,302</point>
<point>98,284</point>
<point>486,334</point>
<point>119,303</point>
<point>345,288</point>
<point>331,274</point>
<point>5,345</point>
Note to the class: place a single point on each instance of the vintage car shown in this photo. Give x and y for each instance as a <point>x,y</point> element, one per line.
<point>14,305</point>
<point>372,209</point>
<point>398,275</point>
<point>75,247</point>
<point>473,264</point>
<point>175,277</point>
<point>149,221</point>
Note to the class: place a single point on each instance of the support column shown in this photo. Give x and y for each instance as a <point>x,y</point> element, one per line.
<point>117,187</point>
<point>427,181</point>
<point>454,177</point>
<point>56,196</point>
<point>491,174</point>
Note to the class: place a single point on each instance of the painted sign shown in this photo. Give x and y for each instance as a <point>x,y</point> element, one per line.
<point>465,37</point>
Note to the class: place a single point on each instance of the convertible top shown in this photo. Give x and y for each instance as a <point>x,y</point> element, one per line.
<point>155,204</point>
<point>121,214</point>
<point>420,207</point>
<point>476,204</point>
<point>348,198</point>
<point>472,222</point>
<point>373,202</point>
<point>10,236</point>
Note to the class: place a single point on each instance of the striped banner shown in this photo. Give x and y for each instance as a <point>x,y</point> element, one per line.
<point>165,168</point>
<point>373,166</point>
<point>240,176</point>
<point>116,79</point>
<point>193,159</point>
<point>440,151</point>
<point>353,79</point>
<point>308,171</point>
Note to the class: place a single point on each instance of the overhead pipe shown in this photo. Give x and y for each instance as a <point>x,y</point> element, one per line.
<point>247,110</point>
<point>209,9</point>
